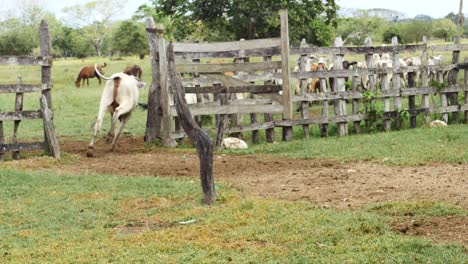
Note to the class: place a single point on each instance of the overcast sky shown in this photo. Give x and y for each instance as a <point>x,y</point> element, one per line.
<point>434,8</point>
<point>56,6</point>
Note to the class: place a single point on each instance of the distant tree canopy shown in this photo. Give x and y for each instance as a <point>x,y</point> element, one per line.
<point>314,20</point>
<point>129,39</point>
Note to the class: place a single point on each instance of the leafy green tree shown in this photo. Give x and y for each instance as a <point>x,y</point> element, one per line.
<point>355,30</point>
<point>313,20</point>
<point>130,38</point>
<point>444,29</point>
<point>414,30</point>
<point>70,42</point>
<point>390,32</point>
<point>16,43</point>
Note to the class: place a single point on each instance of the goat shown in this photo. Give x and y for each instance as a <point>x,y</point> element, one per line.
<point>134,70</point>
<point>120,97</point>
<point>88,72</point>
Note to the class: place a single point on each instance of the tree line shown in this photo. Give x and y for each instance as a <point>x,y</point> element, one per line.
<point>89,28</point>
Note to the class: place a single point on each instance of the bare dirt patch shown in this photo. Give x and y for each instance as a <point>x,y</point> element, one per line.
<point>326,183</point>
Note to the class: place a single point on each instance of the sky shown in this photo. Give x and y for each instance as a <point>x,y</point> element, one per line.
<point>55,6</point>
<point>433,8</point>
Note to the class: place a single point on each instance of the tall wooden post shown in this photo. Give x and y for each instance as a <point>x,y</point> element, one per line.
<point>153,119</point>
<point>287,98</point>
<point>452,80</point>
<point>425,80</point>
<point>304,90</point>
<point>167,139</point>
<point>370,64</point>
<point>270,132</point>
<point>46,70</point>
<point>18,107</point>
<point>396,81</point>
<point>339,86</point>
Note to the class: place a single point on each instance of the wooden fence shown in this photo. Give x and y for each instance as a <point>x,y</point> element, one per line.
<point>50,142</point>
<point>256,72</point>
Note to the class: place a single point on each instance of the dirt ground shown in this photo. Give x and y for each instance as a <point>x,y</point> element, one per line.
<point>326,183</point>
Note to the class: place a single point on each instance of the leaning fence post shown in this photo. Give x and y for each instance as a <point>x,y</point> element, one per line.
<point>153,119</point>
<point>339,86</point>
<point>287,99</point>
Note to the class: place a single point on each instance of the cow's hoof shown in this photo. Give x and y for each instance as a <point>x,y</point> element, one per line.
<point>90,152</point>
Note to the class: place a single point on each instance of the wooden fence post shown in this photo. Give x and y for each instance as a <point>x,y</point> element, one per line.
<point>287,98</point>
<point>167,139</point>
<point>452,80</point>
<point>198,137</point>
<point>425,80</point>
<point>396,81</point>
<point>221,122</point>
<point>370,64</point>
<point>153,120</point>
<point>465,82</point>
<point>270,132</point>
<point>386,100</point>
<point>355,107</point>
<point>443,96</point>
<point>46,70</point>
<point>323,89</point>
<point>411,100</point>
<point>339,86</point>
<point>18,107</point>
<point>304,106</point>
<point>49,129</point>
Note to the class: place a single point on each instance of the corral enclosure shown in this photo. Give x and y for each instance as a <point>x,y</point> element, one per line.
<point>257,76</point>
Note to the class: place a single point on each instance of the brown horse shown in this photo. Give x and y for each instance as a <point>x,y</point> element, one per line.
<point>88,72</point>
<point>134,70</point>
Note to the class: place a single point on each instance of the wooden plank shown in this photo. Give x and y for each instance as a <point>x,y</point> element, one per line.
<point>332,119</point>
<point>18,108</point>
<point>231,109</point>
<point>20,115</point>
<point>228,67</point>
<point>235,89</point>
<point>355,50</point>
<point>333,73</point>
<point>153,117</point>
<point>285,70</point>
<point>251,127</point>
<point>230,54</point>
<point>26,60</point>
<point>51,139</point>
<point>24,88</point>
<point>449,47</point>
<point>5,148</point>
<point>445,109</point>
<point>226,46</point>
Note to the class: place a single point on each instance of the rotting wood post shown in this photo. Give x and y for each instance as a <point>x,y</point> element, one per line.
<point>396,81</point>
<point>370,64</point>
<point>254,121</point>
<point>51,139</point>
<point>18,107</point>
<point>222,120</point>
<point>285,70</point>
<point>339,86</point>
<point>411,100</point>
<point>167,139</point>
<point>304,106</point>
<point>323,89</point>
<point>355,107</point>
<point>452,80</point>
<point>465,82</point>
<point>425,98</point>
<point>270,132</point>
<point>154,114</point>
<point>443,97</point>
<point>46,70</point>
<point>198,137</point>
<point>386,99</point>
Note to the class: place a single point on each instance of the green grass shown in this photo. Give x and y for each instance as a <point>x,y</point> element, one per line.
<point>47,218</point>
<point>406,147</point>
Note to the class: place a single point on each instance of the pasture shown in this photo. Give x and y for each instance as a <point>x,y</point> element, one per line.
<point>374,198</point>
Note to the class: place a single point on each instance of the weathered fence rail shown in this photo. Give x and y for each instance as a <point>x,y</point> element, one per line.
<point>263,88</point>
<point>50,142</point>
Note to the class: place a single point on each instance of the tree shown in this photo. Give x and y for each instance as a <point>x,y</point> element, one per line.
<point>130,38</point>
<point>70,42</point>
<point>355,30</point>
<point>96,17</point>
<point>314,20</point>
<point>390,32</point>
<point>444,29</point>
<point>414,30</point>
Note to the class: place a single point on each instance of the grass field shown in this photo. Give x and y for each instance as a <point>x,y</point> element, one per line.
<point>57,217</point>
